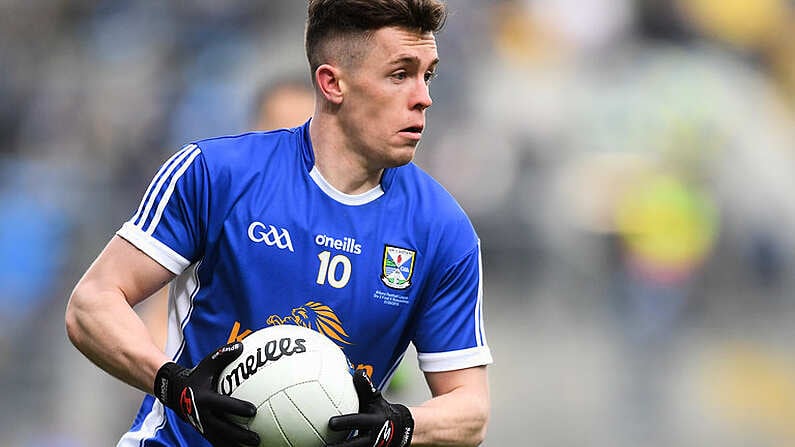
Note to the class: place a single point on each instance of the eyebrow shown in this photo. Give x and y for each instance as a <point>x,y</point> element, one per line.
<point>412,60</point>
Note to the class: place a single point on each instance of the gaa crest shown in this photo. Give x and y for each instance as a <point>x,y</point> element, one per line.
<point>397,267</point>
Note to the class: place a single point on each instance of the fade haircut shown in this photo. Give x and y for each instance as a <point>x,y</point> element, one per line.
<point>336,29</point>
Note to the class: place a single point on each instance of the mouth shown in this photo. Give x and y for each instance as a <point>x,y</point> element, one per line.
<point>413,132</point>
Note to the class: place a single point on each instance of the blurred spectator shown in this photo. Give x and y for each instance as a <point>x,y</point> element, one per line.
<point>667,229</point>
<point>284,102</point>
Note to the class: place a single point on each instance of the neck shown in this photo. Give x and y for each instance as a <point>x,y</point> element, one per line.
<point>337,158</point>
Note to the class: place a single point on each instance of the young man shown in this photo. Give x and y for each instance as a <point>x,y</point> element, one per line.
<point>325,223</point>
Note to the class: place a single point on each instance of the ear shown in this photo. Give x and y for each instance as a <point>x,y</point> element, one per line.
<point>328,82</point>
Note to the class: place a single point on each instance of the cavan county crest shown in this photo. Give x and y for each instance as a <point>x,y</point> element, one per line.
<point>398,266</point>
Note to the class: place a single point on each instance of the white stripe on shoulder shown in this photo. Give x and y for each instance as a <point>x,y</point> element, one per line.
<point>155,249</point>
<point>157,180</point>
<point>170,190</point>
<point>153,422</point>
<point>161,181</point>
<point>452,360</point>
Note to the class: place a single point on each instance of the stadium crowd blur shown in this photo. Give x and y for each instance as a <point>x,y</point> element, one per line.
<point>629,165</point>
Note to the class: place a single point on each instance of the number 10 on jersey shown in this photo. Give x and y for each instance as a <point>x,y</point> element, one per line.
<point>329,270</point>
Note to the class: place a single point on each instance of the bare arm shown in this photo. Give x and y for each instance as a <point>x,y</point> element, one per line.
<point>100,319</point>
<point>154,313</point>
<point>458,413</point>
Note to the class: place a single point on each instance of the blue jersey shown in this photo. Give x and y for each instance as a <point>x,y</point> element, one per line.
<point>257,237</point>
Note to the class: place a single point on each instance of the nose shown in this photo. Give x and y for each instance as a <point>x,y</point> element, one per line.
<point>421,98</point>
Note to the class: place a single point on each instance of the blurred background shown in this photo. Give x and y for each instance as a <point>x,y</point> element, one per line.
<point>628,165</point>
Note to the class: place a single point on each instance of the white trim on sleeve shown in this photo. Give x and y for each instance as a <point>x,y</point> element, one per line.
<point>155,249</point>
<point>452,360</point>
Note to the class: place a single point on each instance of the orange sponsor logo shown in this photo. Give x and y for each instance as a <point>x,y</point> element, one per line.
<point>313,315</point>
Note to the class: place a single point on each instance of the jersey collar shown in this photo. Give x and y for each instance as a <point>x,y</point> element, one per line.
<point>308,155</point>
<point>339,196</point>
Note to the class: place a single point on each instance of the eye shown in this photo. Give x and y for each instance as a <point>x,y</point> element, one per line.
<point>399,75</point>
<point>429,76</point>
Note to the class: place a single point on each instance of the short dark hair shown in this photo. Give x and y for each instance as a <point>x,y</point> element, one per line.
<point>330,20</point>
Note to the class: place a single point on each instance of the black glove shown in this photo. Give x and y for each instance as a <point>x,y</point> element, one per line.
<point>191,393</point>
<point>379,423</point>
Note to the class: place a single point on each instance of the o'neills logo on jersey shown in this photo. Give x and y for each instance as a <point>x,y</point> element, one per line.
<point>346,244</point>
<point>246,367</point>
<point>270,235</point>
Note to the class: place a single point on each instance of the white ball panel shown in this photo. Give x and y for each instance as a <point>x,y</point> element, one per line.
<point>316,408</point>
<point>293,423</point>
<point>270,434</point>
<point>349,401</point>
<point>337,382</point>
<point>281,374</point>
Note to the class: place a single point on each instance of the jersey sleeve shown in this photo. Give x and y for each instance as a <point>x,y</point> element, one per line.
<point>170,222</point>
<point>450,334</point>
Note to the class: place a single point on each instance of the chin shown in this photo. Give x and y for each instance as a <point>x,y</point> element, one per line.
<point>401,157</point>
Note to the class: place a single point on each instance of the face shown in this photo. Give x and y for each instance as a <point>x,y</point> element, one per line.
<point>286,107</point>
<point>385,95</point>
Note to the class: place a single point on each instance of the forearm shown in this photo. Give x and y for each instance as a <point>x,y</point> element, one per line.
<point>458,418</point>
<point>105,328</point>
